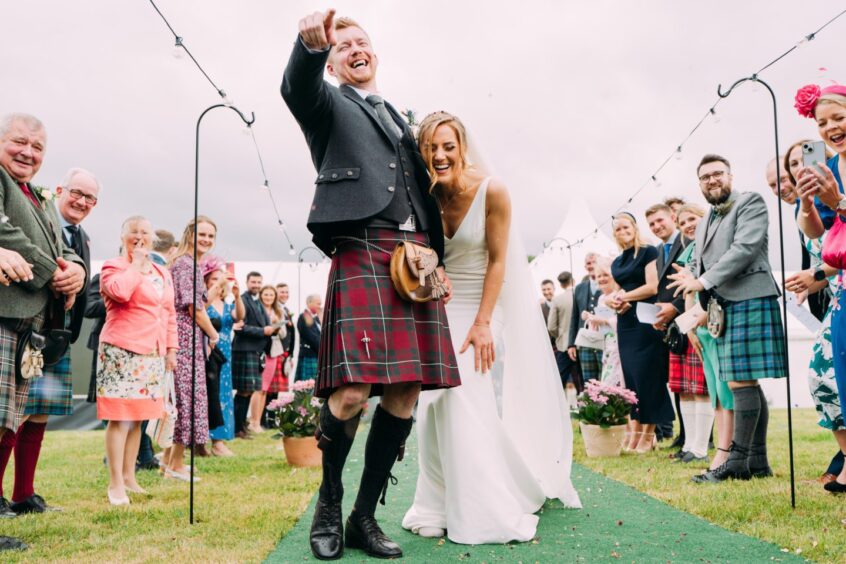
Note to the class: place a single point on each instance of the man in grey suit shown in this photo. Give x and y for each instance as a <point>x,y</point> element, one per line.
<point>585,297</point>
<point>29,227</point>
<point>371,194</point>
<point>733,270</point>
<point>558,325</point>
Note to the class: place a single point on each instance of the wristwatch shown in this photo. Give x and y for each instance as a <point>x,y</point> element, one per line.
<point>819,273</point>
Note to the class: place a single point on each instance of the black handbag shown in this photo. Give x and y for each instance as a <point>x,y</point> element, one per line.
<point>45,347</point>
<point>675,340</point>
<point>214,363</point>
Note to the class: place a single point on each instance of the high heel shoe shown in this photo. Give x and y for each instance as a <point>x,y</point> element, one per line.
<point>634,436</point>
<point>117,500</point>
<point>651,443</point>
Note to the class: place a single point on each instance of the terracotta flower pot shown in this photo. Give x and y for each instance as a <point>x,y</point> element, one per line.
<point>302,451</point>
<point>602,442</point>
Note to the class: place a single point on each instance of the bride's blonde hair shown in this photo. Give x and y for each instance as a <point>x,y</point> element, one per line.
<point>424,141</point>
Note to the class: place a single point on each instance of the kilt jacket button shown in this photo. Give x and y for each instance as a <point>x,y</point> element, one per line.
<point>390,188</point>
<point>334,175</point>
<point>349,173</point>
<point>322,176</point>
<point>392,165</point>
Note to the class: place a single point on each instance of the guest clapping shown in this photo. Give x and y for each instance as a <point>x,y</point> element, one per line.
<point>137,344</point>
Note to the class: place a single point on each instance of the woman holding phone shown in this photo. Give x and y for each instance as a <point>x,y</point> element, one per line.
<point>823,182</point>
<point>218,285</point>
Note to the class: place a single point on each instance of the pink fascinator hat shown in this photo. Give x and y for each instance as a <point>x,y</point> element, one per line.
<point>210,264</point>
<point>808,96</point>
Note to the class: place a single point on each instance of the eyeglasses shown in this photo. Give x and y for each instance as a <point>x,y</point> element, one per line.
<point>76,194</point>
<point>715,175</point>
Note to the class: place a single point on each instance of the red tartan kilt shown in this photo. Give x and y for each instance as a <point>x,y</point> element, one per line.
<point>686,373</point>
<point>405,342</point>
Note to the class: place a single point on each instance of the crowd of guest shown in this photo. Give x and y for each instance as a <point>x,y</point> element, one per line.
<point>181,357</point>
<point>710,274</point>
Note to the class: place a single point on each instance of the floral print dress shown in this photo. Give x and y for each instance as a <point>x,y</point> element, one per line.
<point>225,432</point>
<point>821,380</point>
<point>182,270</point>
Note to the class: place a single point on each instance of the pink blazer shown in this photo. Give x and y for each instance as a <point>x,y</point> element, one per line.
<point>137,318</point>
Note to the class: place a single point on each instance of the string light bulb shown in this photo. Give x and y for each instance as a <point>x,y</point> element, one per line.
<point>291,251</point>
<point>178,48</point>
<point>266,186</point>
<point>715,117</point>
<point>805,40</point>
<point>656,181</point>
<point>679,155</point>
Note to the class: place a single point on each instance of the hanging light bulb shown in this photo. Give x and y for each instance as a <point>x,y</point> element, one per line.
<point>656,181</point>
<point>805,40</point>
<point>178,48</point>
<point>715,117</point>
<point>247,130</point>
<point>291,251</point>
<point>266,186</point>
<point>679,155</point>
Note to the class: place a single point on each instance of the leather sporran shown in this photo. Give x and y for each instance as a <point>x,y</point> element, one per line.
<point>675,340</point>
<point>43,348</point>
<point>413,273</point>
<point>716,319</point>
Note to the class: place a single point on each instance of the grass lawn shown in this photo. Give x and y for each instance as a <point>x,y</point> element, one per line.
<point>816,529</point>
<point>243,506</point>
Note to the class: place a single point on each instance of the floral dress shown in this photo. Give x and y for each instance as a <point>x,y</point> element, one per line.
<point>182,270</point>
<point>612,369</point>
<point>225,432</point>
<point>821,380</point>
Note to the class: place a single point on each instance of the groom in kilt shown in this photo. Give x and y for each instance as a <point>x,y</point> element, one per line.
<point>371,193</point>
<point>733,269</point>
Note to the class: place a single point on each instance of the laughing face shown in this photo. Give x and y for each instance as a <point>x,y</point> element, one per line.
<point>715,182</point>
<point>445,154</point>
<point>352,60</point>
<point>22,150</point>
<point>206,234</point>
<point>831,121</point>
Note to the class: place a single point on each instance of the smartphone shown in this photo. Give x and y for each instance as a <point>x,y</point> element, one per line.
<point>813,153</point>
<point>230,270</point>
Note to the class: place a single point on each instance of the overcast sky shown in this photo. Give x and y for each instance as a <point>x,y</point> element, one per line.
<point>568,99</point>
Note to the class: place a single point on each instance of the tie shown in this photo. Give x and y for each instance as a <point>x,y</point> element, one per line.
<point>667,247</point>
<point>28,193</point>
<point>385,118</point>
<point>75,239</point>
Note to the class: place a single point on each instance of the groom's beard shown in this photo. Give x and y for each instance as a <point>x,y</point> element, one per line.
<point>717,199</point>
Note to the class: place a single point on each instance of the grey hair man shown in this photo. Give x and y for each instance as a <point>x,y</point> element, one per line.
<point>585,297</point>
<point>54,274</point>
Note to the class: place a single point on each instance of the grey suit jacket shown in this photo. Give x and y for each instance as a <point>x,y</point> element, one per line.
<point>36,234</point>
<point>560,315</point>
<point>732,250</point>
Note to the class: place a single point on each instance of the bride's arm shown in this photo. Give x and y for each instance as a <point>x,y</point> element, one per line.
<point>497,226</point>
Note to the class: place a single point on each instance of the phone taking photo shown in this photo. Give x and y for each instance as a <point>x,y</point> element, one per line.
<point>813,153</point>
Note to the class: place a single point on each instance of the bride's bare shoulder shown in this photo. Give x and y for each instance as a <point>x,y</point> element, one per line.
<point>498,193</point>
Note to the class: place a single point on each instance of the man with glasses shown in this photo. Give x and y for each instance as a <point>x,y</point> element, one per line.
<point>52,394</point>
<point>733,272</point>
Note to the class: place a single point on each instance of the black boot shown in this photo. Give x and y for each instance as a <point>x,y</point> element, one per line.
<point>759,465</point>
<point>335,438</point>
<point>385,445</point>
<point>735,468</point>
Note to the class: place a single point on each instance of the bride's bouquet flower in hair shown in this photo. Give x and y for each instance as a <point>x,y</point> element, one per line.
<point>604,404</point>
<point>296,412</point>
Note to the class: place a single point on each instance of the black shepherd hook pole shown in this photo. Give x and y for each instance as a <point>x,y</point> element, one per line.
<point>722,94</point>
<point>194,286</point>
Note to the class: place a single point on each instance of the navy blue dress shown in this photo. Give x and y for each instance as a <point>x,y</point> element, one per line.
<point>644,356</point>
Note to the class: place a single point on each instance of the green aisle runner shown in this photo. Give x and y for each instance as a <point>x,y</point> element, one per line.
<point>617,524</point>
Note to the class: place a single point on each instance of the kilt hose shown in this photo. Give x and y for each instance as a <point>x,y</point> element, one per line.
<point>371,335</point>
<point>687,376</point>
<point>752,347</point>
<point>246,370</point>
<point>52,394</point>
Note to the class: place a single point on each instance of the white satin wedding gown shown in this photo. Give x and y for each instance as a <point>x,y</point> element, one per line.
<point>483,475</point>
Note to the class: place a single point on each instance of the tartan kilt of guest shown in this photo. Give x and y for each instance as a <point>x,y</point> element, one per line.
<point>306,368</point>
<point>687,375</point>
<point>371,335</point>
<point>752,347</point>
<point>52,393</point>
<point>246,370</point>
<point>13,396</point>
<point>591,362</point>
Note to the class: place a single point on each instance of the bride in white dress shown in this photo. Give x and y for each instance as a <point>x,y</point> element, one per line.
<point>487,464</point>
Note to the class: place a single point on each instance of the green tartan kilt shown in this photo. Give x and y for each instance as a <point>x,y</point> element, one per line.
<point>752,347</point>
<point>52,393</point>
